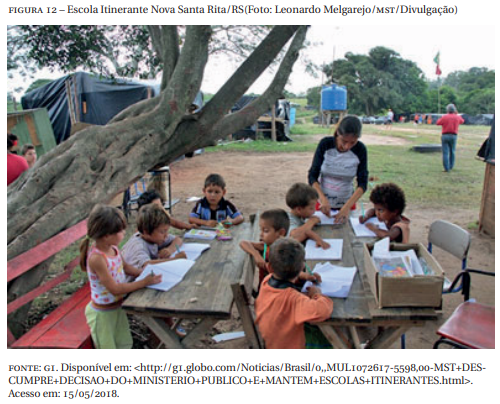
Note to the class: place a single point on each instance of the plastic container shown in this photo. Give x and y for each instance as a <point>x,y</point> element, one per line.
<point>334,98</point>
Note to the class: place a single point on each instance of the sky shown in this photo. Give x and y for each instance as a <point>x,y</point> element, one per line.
<point>460,49</point>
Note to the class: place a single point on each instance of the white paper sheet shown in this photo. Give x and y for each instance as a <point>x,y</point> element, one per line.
<point>335,281</point>
<point>362,231</point>
<point>325,219</point>
<point>172,273</point>
<point>318,253</point>
<point>193,250</point>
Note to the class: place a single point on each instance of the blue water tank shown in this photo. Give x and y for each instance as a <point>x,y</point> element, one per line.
<point>334,98</point>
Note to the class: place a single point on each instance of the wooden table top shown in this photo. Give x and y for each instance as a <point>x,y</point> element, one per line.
<point>360,306</point>
<point>206,289</point>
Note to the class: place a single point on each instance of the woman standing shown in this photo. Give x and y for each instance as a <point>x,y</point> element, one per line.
<point>16,165</point>
<point>338,160</point>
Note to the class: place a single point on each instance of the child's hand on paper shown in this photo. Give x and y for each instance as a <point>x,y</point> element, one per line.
<point>180,255</point>
<point>362,219</point>
<point>152,279</point>
<point>211,223</point>
<point>371,226</point>
<point>315,278</point>
<point>323,244</point>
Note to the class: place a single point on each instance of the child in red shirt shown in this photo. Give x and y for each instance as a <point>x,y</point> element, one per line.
<point>281,309</point>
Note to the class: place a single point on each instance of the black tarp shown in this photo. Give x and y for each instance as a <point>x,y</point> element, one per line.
<point>282,128</point>
<point>487,150</point>
<point>103,99</point>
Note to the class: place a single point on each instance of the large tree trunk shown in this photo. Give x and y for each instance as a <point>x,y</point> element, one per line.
<point>99,162</point>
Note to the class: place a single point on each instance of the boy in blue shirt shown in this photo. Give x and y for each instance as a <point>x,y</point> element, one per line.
<point>213,208</point>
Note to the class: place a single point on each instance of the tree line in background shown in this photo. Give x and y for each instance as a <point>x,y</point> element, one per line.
<point>383,79</point>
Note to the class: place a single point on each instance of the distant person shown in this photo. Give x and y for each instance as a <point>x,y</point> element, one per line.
<point>416,119</point>
<point>281,309</point>
<point>213,208</point>
<point>29,153</point>
<point>337,161</point>
<point>389,119</point>
<point>388,205</point>
<point>450,123</point>
<point>16,165</point>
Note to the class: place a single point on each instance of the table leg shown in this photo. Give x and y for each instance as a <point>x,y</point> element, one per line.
<point>163,332</point>
<point>333,335</point>
<point>355,337</point>
<point>387,336</point>
<point>198,331</point>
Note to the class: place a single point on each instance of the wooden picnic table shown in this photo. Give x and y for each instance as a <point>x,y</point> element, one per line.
<point>356,321</point>
<point>204,294</point>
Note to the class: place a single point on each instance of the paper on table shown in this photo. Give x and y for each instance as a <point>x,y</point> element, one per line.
<point>324,218</point>
<point>362,231</point>
<point>172,272</point>
<point>318,253</point>
<point>193,250</point>
<point>335,281</point>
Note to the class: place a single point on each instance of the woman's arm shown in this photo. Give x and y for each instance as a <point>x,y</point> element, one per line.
<point>326,208</point>
<point>344,211</point>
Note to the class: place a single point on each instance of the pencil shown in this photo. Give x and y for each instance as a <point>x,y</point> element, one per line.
<point>309,270</point>
<point>362,210</point>
<point>177,248</point>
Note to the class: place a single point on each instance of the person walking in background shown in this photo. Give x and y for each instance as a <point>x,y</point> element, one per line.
<point>450,123</point>
<point>389,119</point>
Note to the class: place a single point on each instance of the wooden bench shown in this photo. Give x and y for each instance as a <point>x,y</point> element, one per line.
<point>66,326</point>
<point>242,293</point>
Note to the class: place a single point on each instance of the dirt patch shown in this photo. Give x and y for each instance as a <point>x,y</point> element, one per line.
<point>256,182</point>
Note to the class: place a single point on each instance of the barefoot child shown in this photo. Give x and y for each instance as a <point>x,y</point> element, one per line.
<point>388,206</point>
<point>281,309</point>
<point>107,276</point>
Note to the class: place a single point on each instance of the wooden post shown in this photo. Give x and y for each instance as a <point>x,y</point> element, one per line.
<point>273,123</point>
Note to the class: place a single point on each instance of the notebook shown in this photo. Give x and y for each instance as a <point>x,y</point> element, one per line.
<point>193,250</point>
<point>325,219</point>
<point>200,234</point>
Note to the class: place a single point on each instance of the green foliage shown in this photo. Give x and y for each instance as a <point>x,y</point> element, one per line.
<point>378,81</point>
<point>314,97</point>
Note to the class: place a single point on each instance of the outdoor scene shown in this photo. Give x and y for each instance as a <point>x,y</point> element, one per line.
<point>96,136</point>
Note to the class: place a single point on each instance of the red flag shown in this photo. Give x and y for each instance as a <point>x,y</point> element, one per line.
<point>437,60</point>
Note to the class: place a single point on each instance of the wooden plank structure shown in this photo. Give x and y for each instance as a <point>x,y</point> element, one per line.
<point>357,322</point>
<point>204,294</point>
<point>242,293</point>
<point>66,326</point>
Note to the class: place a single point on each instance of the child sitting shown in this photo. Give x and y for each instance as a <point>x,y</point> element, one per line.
<point>154,197</point>
<point>388,206</point>
<point>274,224</point>
<point>301,199</point>
<point>107,276</point>
<point>281,309</point>
<point>152,243</point>
<point>213,208</point>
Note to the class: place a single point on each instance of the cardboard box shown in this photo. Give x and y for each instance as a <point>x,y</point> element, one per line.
<point>415,291</point>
